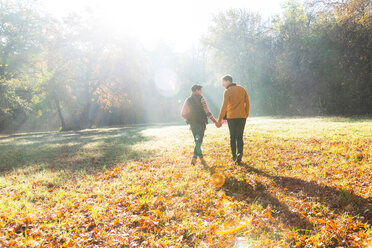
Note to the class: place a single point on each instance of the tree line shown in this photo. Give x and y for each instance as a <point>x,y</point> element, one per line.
<point>312,59</point>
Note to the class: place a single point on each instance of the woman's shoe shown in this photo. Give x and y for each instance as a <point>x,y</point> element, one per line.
<point>204,163</point>
<point>193,161</point>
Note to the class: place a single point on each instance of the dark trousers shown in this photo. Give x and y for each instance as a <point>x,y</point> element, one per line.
<point>236,127</point>
<point>198,133</point>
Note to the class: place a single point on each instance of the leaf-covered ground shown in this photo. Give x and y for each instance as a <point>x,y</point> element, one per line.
<point>303,183</point>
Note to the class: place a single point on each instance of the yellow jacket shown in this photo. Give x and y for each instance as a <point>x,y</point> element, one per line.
<point>235,103</point>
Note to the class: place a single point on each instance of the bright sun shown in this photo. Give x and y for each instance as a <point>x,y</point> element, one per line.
<point>177,23</point>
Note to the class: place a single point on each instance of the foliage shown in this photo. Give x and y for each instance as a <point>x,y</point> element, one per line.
<point>312,59</point>
<point>20,44</point>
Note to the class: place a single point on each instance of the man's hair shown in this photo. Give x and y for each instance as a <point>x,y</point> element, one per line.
<point>227,78</point>
<point>196,87</point>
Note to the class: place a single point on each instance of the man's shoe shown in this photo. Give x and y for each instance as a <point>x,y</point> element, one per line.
<point>239,159</point>
<point>204,163</point>
<point>234,159</point>
<point>193,161</point>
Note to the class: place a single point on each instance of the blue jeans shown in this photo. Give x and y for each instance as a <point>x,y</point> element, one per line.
<point>198,133</point>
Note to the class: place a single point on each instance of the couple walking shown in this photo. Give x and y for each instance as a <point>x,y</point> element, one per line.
<point>235,109</point>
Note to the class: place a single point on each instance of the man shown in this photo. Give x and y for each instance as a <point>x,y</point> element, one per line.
<point>235,108</point>
<point>196,113</point>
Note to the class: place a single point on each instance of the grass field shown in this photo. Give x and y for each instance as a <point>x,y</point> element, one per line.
<point>303,183</point>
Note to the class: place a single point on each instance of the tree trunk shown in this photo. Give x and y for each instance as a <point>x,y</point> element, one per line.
<point>85,120</point>
<point>56,100</point>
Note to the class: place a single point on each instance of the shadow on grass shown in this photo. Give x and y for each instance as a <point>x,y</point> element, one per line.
<point>350,119</point>
<point>335,199</point>
<point>245,192</point>
<point>87,150</point>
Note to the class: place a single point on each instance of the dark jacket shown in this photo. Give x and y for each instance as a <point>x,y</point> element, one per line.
<point>197,114</point>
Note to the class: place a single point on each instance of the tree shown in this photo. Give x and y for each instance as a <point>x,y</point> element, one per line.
<point>89,71</point>
<point>21,40</point>
<point>240,44</point>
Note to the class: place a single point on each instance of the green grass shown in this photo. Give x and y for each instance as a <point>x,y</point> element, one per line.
<point>305,182</point>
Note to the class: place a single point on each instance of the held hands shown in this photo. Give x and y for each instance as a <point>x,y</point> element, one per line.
<point>218,124</point>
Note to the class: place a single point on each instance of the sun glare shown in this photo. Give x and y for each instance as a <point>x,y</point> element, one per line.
<point>179,23</point>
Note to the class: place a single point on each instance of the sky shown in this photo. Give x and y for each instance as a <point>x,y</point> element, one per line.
<point>179,23</point>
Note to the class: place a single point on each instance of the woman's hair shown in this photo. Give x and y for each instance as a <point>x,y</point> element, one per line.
<point>196,87</point>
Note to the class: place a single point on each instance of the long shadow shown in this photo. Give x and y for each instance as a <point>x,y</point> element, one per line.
<point>246,192</point>
<point>333,198</point>
<point>259,194</point>
<point>8,136</point>
<point>68,150</point>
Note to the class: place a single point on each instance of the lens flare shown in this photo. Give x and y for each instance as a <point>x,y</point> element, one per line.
<point>166,82</point>
<point>218,180</point>
<point>241,242</point>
